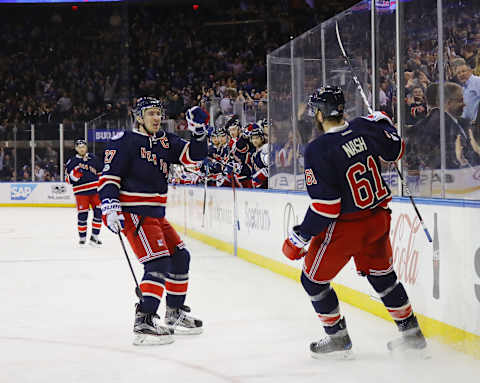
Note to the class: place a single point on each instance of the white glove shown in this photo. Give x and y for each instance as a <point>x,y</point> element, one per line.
<point>112,211</point>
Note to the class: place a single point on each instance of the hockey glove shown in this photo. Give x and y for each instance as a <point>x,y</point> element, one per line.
<point>75,174</point>
<point>294,246</point>
<point>197,120</point>
<point>232,167</point>
<point>112,215</point>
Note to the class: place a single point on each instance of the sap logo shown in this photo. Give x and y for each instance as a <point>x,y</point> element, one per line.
<point>20,192</point>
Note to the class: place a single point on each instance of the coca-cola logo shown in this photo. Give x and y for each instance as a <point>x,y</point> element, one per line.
<point>405,254</point>
<point>477,271</point>
<point>289,218</point>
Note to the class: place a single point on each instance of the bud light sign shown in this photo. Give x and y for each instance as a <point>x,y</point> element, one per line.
<point>21,192</point>
<point>101,135</point>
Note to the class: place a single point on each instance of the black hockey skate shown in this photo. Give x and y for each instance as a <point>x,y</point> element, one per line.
<point>82,241</point>
<point>94,241</point>
<point>412,338</point>
<point>336,346</point>
<point>181,323</point>
<point>148,329</point>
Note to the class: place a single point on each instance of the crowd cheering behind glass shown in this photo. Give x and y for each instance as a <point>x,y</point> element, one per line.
<point>65,66</point>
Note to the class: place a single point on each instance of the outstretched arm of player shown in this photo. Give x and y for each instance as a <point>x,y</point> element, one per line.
<point>324,208</point>
<point>190,153</point>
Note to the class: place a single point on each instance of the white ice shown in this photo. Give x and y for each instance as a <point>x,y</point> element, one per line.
<point>67,314</point>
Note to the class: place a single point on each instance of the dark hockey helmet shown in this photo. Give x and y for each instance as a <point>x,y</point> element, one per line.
<point>234,121</point>
<point>263,123</point>
<point>329,100</point>
<point>257,130</point>
<point>80,142</point>
<point>215,132</point>
<point>144,103</point>
<point>222,132</point>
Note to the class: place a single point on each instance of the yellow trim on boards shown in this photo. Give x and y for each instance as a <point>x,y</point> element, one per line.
<point>37,205</point>
<point>456,338</point>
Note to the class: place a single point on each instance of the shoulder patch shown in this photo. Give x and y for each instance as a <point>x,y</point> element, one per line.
<point>391,136</point>
<point>117,136</point>
<point>378,116</point>
<point>106,168</point>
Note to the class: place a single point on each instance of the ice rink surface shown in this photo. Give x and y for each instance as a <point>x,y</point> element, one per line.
<point>67,316</point>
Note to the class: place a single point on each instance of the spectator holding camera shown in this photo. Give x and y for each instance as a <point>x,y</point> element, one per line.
<point>417,106</point>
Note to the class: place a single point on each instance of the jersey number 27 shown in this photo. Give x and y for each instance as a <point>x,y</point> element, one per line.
<point>363,192</point>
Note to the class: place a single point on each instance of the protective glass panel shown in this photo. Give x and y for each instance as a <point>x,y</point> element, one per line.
<point>74,66</point>
<point>281,137</point>
<point>308,75</point>
<point>355,33</point>
<point>47,152</point>
<point>386,71</point>
<point>15,152</point>
<point>421,130</point>
<point>21,152</point>
<point>461,101</point>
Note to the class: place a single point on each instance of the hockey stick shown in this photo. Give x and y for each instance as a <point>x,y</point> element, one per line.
<point>138,292</point>
<point>236,223</point>
<point>370,110</point>
<point>205,195</point>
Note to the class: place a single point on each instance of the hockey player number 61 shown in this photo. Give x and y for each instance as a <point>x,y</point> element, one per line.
<point>363,191</point>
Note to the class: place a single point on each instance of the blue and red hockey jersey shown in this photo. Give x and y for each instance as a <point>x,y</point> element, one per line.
<point>136,168</point>
<point>90,169</point>
<point>259,160</point>
<point>239,150</point>
<point>343,170</point>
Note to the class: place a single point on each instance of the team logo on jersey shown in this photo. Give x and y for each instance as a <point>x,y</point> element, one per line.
<point>106,168</point>
<point>310,177</point>
<point>148,155</point>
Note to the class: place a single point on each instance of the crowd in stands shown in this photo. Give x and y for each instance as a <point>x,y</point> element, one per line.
<point>462,83</point>
<point>62,65</point>
<point>421,119</point>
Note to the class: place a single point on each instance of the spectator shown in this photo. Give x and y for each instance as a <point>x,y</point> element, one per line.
<point>417,107</point>
<point>471,91</point>
<point>456,129</point>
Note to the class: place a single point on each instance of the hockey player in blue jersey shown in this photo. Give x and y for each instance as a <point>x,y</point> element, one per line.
<point>237,166</point>
<point>133,191</point>
<point>259,158</point>
<point>349,218</point>
<point>215,157</point>
<point>82,172</point>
